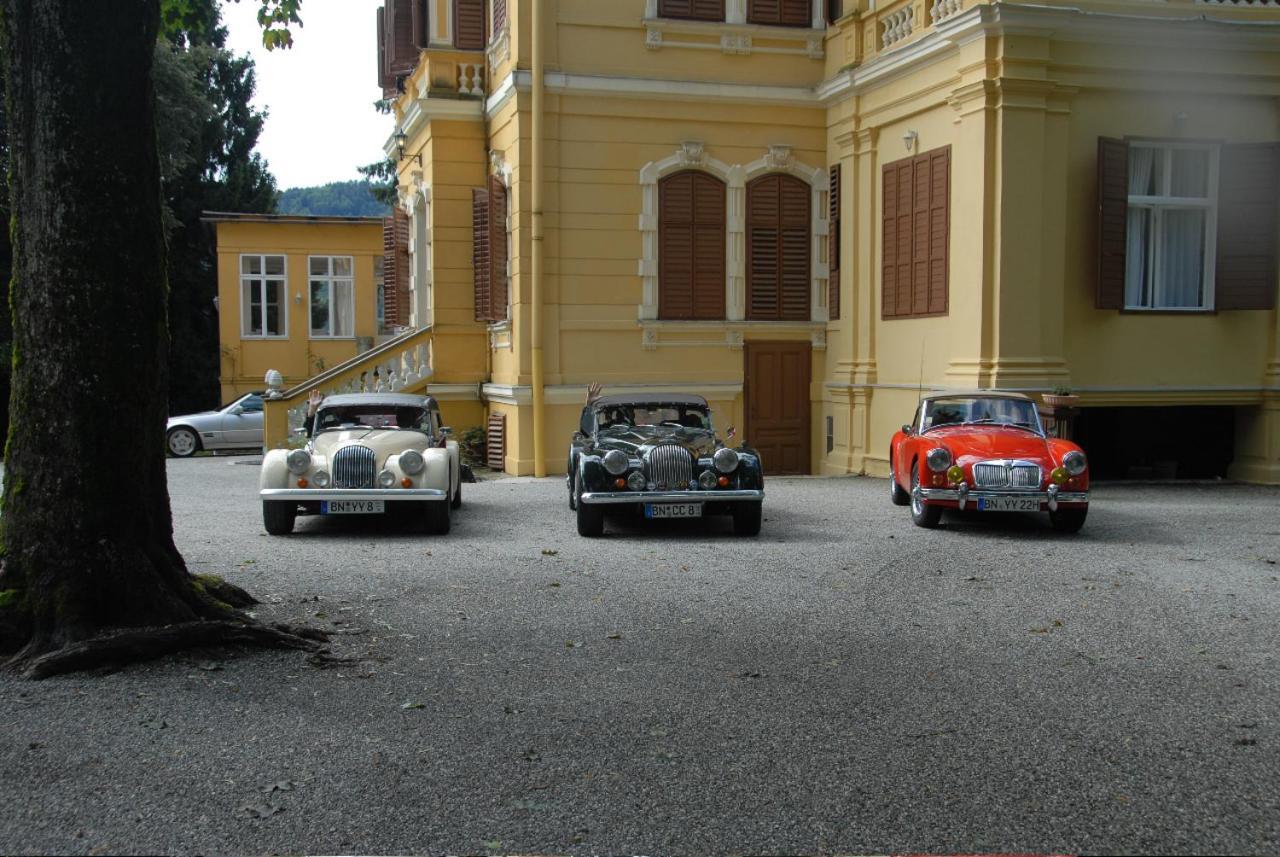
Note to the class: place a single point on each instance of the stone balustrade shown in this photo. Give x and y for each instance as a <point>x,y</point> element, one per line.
<point>896,26</point>
<point>941,10</point>
<point>471,79</point>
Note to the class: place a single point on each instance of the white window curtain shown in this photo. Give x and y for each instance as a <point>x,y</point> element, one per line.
<point>1141,172</point>
<point>344,311</point>
<point>332,291</point>
<point>262,296</point>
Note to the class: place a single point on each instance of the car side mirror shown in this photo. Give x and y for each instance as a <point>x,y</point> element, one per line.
<point>446,431</point>
<point>906,429</point>
<point>237,410</point>
<point>584,423</point>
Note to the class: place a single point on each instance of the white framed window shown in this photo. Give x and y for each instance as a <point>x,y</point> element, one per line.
<point>331,285</point>
<point>1171,237</point>
<point>262,297</point>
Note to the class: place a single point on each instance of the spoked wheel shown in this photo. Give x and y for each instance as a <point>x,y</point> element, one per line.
<point>922,515</point>
<point>573,490</point>
<point>896,495</point>
<point>182,442</point>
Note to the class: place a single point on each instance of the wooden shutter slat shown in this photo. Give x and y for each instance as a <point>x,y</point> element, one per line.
<point>385,79</point>
<point>421,30</point>
<point>833,245</point>
<point>691,246</point>
<point>780,13</point>
<point>1113,221</point>
<point>695,10</point>
<point>403,54</point>
<point>916,227</point>
<point>499,15</point>
<point>778,248</point>
<point>395,268</point>
<point>496,441</point>
<point>498,249</point>
<point>480,255</point>
<point>1248,189</point>
<point>468,25</point>
<point>939,230</point>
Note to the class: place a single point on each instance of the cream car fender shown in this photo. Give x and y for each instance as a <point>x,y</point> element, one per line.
<point>275,472</point>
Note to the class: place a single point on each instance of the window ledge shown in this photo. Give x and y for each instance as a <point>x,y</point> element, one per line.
<point>256,338</point>
<point>698,333</point>
<point>1139,310</point>
<point>734,38</point>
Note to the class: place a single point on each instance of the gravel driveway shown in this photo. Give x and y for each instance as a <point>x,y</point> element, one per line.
<point>844,683</point>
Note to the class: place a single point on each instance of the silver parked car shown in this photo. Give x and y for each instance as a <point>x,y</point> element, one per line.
<point>235,426</point>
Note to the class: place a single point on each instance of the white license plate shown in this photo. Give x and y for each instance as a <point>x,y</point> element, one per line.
<point>1008,504</point>
<point>352,507</point>
<point>673,510</point>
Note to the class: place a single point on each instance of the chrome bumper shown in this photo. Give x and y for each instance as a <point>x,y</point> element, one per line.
<point>710,496</point>
<point>963,495</point>
<point>302,495</point>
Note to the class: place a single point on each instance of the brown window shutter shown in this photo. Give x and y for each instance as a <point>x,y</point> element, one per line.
<point>385,80</point>
<point>468,25</point>
<point>939,231</point>
<point>1248,197</point>
<point>889,241</point>
<point>779,238</point>
<point>480,254</point>
<point>395,268</point>
<point>498,249</point>
<point>691,246</point>
<point>499,15</point>
<point>696,10</point>
<point>403,55</point>
<point>1113,221</point>
<point>421,30</point>
<point>833,246</point>
<point>916,224</point>
<point>780,13</point>
<point>496,441</point>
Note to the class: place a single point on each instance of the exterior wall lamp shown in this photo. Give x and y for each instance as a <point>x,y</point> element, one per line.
<point>401,139</point>
<point>909,139</point>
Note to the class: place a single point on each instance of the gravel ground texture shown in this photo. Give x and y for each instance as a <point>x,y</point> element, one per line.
<point>845,683</point>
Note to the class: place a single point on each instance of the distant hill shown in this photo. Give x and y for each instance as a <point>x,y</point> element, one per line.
<point>336,199</point>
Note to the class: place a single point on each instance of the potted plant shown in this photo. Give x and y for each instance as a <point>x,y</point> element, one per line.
<point>1061,397</point>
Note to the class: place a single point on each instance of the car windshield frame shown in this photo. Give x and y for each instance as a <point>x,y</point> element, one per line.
<point>966,414</point>
<point>683,409</point>
<point>373,410</point>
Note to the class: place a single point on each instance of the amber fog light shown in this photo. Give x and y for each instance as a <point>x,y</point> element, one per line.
<point>619,484</point>
<point>302,483</point>
<point>406,482</point>
<point>956,473</point>
<point>1059,476</point>
<point>723,481</point>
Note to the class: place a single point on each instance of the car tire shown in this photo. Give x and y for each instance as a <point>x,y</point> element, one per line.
<point>455,502</point>
<point>747,518</point>
<point>590,520</point>
<point>438,519</point>
<point>573,491</point>
<point>896,494</point>
<point>278,517</point>
<point>182,442</point>
<point>1068,520</point>
<point>922,515</point>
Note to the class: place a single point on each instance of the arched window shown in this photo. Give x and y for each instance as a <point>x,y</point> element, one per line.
<point>691,246</point>
<point>779,226</point>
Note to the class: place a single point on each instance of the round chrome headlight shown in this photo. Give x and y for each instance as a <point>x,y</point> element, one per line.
<point>298,461</point>
<point>1074,462</point>
<point>707,480</point>
<point>938,459</point>
<point>386,479</point>
<point>320,479</point>
<point>412,462</point>
<point>725,460</point>
<point>636,481</point>
<point>616,462</point>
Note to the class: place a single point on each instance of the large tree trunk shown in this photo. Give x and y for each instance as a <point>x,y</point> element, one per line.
<point>87,530</point>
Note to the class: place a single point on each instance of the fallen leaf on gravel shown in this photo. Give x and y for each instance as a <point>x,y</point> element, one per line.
<point>412,706</point>
<point>282,786</point>
<point>1246,742</point>
<point>1223,667</point>
<point>492,844</point>
<point>751,675</point>
<point>1039,630</point>
<point>549,552</point>
<point>615,636</point>
<point>532,755</point>
<point>572,644</point>
<point>554,583</point>
<point>261,810</point>
<point>210,666</point>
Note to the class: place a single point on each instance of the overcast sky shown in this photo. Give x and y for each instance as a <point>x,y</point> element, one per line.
<point>319,95</point>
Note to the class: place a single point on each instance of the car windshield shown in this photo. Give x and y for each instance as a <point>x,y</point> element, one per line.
<point>671,415</point>
<point>373,416</point>
<point>251,402</point>
<point>980,410</point>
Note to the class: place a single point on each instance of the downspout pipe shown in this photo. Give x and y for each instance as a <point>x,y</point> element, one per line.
<point>535,298</point>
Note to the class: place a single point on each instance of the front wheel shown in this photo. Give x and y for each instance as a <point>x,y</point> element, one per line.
<point>573,490</point>
<point>437,517</point>
<point>1068,520</point>
<point>922,515</point>
<point>182,442</point>
<point>278,517</point>
<point>590,520</point>
<point>455,502</point>
<point>896,495</point>
<point>746,518</point>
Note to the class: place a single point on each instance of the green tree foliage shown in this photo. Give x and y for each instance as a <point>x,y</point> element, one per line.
<point>336,199</point>
<point>382,179</point>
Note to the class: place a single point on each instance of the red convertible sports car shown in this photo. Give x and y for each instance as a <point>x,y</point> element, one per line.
<point>985,450</point>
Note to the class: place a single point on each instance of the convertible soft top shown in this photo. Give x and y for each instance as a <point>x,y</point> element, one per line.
<point>650,399</point>
<point>395,400</point>
<point>989,394</point>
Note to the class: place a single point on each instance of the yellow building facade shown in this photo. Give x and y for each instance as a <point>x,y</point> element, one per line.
<point>809,210</point>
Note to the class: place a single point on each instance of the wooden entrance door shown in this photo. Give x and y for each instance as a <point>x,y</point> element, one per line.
<point>777,405</point>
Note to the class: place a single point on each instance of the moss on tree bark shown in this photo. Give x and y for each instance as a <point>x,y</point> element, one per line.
<point>88,543</point>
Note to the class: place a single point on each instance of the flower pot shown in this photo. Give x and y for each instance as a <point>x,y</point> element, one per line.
<point>1054,400</point>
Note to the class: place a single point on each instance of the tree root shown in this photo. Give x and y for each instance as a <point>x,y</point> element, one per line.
<point>143,644</point>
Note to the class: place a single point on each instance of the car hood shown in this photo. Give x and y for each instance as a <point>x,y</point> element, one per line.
<point>980,443</point>
<point>383,442</point>
<point>637,441</point>
<point>186,418</point>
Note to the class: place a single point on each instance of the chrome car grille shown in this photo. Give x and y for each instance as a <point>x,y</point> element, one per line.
<point>669,466</point>
<point>1006,474</point>
<point>354,467</point>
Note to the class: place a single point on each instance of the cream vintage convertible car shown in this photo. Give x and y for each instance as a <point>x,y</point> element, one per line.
<point>368,454</point>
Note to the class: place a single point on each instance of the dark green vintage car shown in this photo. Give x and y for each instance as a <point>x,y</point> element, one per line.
<point>658,456</point>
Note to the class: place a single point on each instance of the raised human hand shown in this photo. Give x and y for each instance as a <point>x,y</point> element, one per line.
<point>593,391</point>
